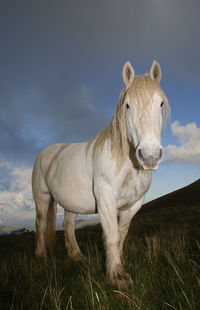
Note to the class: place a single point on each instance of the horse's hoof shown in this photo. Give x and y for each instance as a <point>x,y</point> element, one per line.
<point>121,281</point>
<point>79,257</point>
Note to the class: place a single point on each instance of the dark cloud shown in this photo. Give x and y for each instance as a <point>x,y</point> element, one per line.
<point>61,61</point>
<point>38,118</point>
<point>47,38</point>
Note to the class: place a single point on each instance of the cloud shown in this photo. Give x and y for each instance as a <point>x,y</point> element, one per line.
<point>16,204</point>
<point>189,139</point>
<point>56,71</point>
<point>34,119</point>
<point>98,34</point>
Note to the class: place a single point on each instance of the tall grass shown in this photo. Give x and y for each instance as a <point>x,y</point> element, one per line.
<point>163,258</point>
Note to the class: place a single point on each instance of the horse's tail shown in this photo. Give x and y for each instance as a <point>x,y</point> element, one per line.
<point>51,227</point>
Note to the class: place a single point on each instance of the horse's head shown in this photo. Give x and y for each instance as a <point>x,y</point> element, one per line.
<point>145,104</point>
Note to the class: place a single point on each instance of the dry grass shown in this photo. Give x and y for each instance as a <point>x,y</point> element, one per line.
<point>162,256</point>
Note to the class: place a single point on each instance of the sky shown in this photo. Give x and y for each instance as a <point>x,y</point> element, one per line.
<point>61,76</point>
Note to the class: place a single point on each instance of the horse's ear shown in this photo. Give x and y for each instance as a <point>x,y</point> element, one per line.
<point>128,73</point>
<point>155,72</point>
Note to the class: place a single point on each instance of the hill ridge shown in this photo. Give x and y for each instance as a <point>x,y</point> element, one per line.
<point>186,195</point>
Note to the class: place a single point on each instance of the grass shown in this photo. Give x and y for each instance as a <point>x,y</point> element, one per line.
<point>162,252</point>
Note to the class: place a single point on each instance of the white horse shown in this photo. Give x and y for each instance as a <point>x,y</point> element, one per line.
<point>109,175</point>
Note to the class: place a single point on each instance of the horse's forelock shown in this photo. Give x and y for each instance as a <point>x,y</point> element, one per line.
<point>142,90</point>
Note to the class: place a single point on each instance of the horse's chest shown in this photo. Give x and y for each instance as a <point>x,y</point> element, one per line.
<point>132,187</point>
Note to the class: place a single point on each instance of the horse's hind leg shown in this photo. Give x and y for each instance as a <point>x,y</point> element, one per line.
<point>42,204</point>
<point>70,238</point>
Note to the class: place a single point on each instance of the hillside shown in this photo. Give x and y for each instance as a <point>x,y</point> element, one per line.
<point>180,208</point>
<point>185,196</point>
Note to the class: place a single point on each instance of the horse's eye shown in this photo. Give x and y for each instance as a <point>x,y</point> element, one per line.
<point>161,104</point>
<point>127,106</point>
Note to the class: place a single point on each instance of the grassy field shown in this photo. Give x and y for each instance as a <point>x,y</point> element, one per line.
<point>162,252</point>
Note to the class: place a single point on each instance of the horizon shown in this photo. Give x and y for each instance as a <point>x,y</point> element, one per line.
<point>61,78</point>
<point>87,218</point>
<point>82,220</point>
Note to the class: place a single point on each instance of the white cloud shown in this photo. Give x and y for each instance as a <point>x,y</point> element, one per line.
<point>189,139</point>
<point>16,204</point>
<point>23,177</point>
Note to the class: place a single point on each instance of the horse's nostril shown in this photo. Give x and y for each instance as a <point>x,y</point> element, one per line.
<point>160,153</point>
<point>140,154</point>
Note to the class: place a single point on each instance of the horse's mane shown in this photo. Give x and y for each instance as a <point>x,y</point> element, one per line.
<point>116,132</point>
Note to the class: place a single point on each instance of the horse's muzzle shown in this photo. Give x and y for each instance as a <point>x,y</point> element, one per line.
<point>149,157</point>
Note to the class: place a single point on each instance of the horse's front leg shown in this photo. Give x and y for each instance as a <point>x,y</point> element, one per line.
<point>125,218</point>
<point>116,275</point>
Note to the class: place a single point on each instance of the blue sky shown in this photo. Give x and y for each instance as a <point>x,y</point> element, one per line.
<point>61,75</point>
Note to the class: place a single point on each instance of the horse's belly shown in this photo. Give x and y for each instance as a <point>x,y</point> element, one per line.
<point>77,201</point>
<point>73,193</point>
<point>76,197</point>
